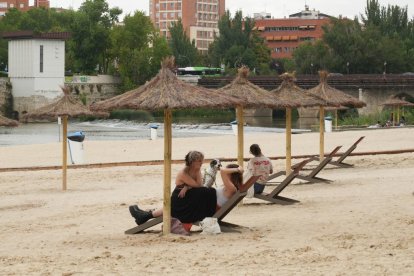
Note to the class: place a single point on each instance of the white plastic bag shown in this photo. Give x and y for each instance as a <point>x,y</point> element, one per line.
<point>250,191</point>
<point>210,226</point>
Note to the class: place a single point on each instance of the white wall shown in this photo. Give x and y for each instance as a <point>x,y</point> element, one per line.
<point>53,58</point>
<point>24,67</point>
<point>21,58</point>
<point>28,82</point>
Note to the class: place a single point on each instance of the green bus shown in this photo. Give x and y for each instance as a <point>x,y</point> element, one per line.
<point>200,71</point>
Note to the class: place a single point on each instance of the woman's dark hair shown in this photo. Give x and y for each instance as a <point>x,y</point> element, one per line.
<point>255,150</point>
<point>236,177</point>
<point>193,156</point>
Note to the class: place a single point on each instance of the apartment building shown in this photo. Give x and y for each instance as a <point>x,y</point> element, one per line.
<point>22,5</point>
<point>41,3</point>
<point>199,17</point>
<point>284,35</point>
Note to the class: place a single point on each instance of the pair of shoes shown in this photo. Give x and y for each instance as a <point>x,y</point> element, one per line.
<point>139,215</point>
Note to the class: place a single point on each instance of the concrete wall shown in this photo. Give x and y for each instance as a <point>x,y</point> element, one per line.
<point>5,93</point>
<point>94,88</point>
<point>373,97</point>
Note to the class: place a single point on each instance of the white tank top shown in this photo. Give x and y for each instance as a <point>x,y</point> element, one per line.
<point>221,198</point>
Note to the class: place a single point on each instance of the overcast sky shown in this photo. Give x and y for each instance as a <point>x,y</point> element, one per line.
<point>278,8</point>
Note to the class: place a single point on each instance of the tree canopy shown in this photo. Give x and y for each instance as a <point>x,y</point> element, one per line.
<point>382,43</point>
<point>238,43</point>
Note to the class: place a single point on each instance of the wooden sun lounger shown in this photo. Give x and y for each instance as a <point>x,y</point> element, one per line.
<point>340,161</point>
<point>312,176</point>
<point>220,214</point>
<point>274,196</point>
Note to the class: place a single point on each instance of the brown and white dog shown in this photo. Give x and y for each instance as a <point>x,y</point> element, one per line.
<point>210,174</point>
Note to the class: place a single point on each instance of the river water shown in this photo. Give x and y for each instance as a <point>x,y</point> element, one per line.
<point>39,133</point>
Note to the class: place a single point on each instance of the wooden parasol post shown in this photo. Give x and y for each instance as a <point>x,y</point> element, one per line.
<point>393,117</point>
<point>321,133</point>
<point>288,140</point>
<point>64,151</point>
<point>166,218</point>
<point>398,114</point>
<point>336,119</point>
<point>240,138</point>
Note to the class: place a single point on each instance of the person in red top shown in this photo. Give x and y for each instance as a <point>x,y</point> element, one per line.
<point>259,165</point>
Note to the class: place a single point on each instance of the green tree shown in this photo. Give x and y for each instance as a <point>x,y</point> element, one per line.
<point>91,42</point>
<point>238,43</point>
<point>184,50</point>
<point>139,50</point>
<point>310,57</point>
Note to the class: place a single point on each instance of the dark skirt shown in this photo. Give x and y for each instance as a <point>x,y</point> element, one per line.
<point>197,204</point>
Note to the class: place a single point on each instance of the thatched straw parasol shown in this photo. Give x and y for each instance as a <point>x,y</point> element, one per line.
<point>288,91</point>
<point>8,122</point>
<point>331,97</point>
<point>251,96</point>
<point>166,92</point>
<point>395,102</point>
<point>65,107</point>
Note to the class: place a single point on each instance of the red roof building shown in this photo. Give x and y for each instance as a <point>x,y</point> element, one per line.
<point>41,3</point>
<point>283,36</point>
<point>22,5</point>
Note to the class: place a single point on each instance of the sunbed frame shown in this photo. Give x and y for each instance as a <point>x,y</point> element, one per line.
<point>274,196</point>
<point>220,214</point>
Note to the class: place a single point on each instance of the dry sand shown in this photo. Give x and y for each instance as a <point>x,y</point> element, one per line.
<point>360,224</point>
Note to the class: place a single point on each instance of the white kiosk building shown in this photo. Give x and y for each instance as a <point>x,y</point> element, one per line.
<point>36,68</point>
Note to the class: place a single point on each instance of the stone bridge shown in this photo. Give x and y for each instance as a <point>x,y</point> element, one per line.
<point>372,89</point>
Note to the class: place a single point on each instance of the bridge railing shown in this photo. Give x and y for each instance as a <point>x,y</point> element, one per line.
<point>309,81</point>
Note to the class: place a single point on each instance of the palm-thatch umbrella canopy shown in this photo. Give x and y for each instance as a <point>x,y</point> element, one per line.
<point>8,122</point>
<point>65,107</point>
<point>166,92</point>
<point>396,102</point>
<point>251,96</point>
<point>331,97</point>
<point>289,92</point>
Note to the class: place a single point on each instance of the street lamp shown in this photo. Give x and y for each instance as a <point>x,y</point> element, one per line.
<point>385,67</point>
<point>311,68</point>
<point>347,67</point>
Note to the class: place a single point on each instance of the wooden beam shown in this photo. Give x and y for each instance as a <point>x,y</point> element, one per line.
<point>166,218</point>
<point>321,133</point>
<point>288,140</point>
<point>64,152</point>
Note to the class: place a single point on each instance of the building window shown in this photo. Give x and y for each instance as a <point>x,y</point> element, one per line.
<point>41,58</point>
<point>21,6</point>
<point>11,5</point>
<point>3,5</point>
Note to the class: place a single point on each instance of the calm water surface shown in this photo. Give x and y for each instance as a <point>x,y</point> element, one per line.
<point>39,133</point>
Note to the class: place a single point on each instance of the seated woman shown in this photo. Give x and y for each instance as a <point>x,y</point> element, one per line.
<point>194,208</point>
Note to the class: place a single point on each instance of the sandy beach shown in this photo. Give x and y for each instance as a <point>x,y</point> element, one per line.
<point>360,224</point>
